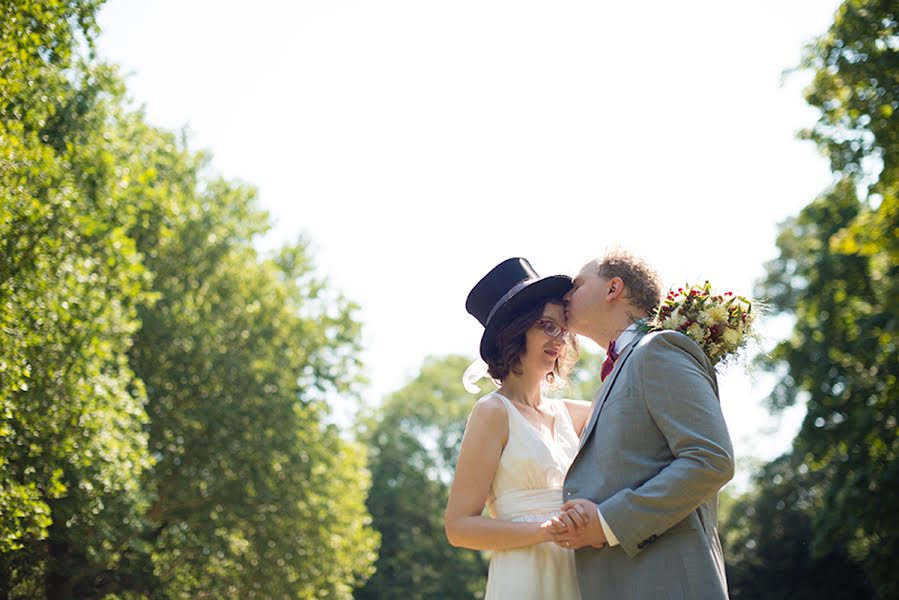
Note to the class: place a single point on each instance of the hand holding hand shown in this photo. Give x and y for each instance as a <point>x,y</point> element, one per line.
<point>577,526</point>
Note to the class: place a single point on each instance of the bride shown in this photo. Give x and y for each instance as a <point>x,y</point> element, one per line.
<point>518,444</point>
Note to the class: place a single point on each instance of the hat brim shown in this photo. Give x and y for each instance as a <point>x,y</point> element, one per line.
<point>536,291</point>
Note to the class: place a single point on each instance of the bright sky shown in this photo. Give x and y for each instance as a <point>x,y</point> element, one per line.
<point>418,144</point>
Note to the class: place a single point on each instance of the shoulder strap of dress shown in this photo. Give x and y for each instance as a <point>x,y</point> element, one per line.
<point>514,413</point>
<point>506,402</point>
<point>511,420</point>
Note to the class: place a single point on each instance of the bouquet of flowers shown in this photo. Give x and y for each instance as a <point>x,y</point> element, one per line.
<point>721,324</point>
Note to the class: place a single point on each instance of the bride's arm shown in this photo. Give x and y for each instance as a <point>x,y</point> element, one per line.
<point>580,412</point>
<point>483,442</point>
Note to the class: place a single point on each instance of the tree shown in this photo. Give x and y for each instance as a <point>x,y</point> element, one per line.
<point>71,410</point>
<point>856,89</point>
<point>162,387</point>
<point>837,275</point>
<point>413,442</point>
<point>768,540</point>
<point>253,495</point>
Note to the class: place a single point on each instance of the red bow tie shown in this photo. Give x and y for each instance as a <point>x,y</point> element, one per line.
<point>609,362</point>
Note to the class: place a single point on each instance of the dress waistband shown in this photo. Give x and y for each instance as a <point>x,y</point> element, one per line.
<point>522,503</point>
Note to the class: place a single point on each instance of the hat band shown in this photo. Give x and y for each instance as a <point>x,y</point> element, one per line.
<point>506,297</point>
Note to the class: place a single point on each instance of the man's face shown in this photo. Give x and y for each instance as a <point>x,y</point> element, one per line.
<point>584,302</point>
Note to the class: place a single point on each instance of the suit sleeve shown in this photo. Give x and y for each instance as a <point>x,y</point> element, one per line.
<point>679,390</point>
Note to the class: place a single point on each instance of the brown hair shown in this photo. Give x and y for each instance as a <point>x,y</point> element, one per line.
<point>641,282</point>
<point>511,340</point>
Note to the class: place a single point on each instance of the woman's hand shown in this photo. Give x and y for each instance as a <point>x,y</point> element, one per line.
<point>577,525</point>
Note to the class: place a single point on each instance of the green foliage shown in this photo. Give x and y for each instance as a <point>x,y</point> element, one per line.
<point>769,539</point>
<point>837,275</point>
<point>71,411</point>
<point>162,387</point>
<point>37,43</point>
<point>841,359</point>
<point>583,381</point>
<point>856,87</point>
<point>253,496</point>
<point>413,443</point>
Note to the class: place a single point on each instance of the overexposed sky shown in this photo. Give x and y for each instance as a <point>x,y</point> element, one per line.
<point>419,143</point>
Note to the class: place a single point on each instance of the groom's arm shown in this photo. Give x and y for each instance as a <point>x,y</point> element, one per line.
<point>679,392</point>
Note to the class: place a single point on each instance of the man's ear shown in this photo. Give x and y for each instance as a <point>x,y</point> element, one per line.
<point>614,288</point>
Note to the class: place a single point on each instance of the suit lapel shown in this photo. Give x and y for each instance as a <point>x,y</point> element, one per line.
<point>606,388</point>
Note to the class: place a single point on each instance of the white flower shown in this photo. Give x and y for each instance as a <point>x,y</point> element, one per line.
<point>695,331</point>
<point>715,314</point>
<point>731,337</point>
<point>673,322</point>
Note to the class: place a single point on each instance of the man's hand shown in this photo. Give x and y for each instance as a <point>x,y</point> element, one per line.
<point>577,526</point>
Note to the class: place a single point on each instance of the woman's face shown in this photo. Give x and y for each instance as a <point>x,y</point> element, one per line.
<point>541,349</point>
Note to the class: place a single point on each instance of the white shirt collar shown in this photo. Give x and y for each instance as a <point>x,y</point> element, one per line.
<point>626,337</point>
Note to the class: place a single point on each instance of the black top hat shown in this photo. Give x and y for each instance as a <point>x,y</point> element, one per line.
<point>509,288</point>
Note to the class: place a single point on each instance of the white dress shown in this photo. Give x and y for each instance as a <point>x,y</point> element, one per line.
<point>528,487</point>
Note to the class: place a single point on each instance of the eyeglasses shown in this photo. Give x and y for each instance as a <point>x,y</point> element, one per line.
<point>554,330</point>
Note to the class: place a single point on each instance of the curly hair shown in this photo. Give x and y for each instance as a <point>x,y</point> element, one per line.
<point>641,282</point>
<point>511,340</point>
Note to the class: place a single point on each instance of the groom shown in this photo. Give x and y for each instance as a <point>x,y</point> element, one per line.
<point>642,494</point>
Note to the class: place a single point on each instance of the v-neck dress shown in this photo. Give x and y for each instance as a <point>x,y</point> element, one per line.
<point>528,487</point>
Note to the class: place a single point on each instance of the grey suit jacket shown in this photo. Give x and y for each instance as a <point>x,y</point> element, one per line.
<point>653,456</point>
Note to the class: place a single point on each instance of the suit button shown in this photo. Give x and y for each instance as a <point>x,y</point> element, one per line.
<point>647,541</point>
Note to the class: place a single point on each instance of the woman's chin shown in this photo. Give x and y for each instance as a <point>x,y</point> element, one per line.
<point>544,366</point>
